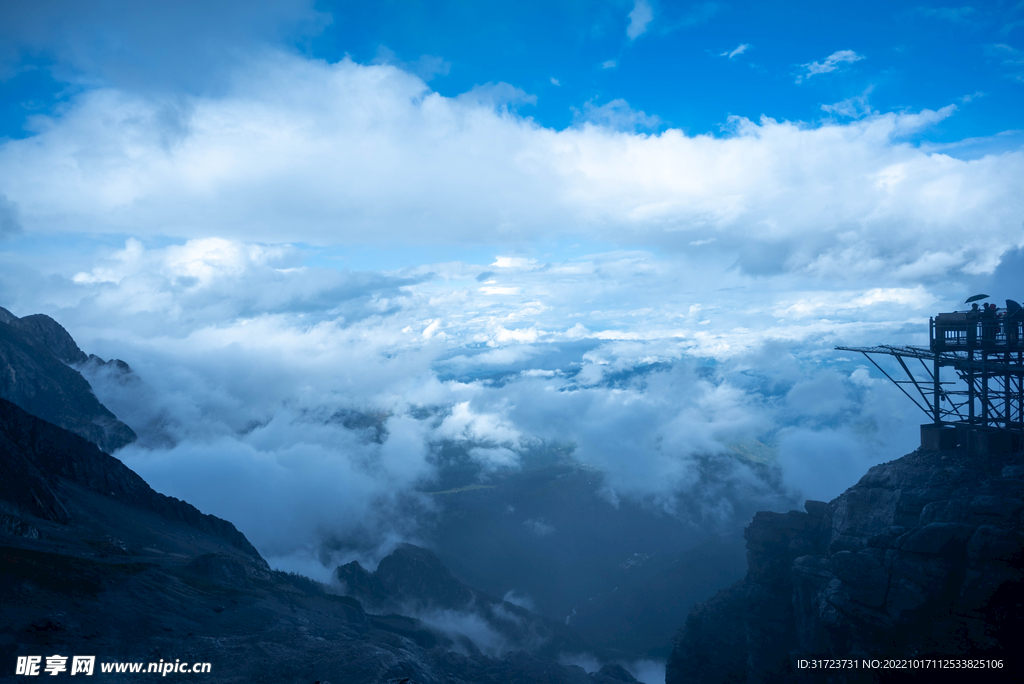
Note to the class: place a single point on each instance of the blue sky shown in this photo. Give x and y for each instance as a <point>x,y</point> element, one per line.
<point>691,65</point>
<point>677,66</point>
<point>638,228</point>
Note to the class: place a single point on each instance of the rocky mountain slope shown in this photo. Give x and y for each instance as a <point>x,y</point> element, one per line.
<point>35,353</point>
<point>921,558</point>
<point>94,562</point>
<point>40,458</point>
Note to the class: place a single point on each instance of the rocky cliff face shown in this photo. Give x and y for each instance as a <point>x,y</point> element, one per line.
<point>34,374</point>
<point>922,557</point>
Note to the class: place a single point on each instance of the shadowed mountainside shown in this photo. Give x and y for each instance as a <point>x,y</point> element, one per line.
<point>93,561</point>
<point>34,374</point>
<point>924,557</point>
<point>39,458</point>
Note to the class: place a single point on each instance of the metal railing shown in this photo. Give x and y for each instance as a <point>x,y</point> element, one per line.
<point>966,331</point>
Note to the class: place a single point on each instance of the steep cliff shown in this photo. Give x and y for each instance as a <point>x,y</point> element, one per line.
<point>38,460</point>
<point>34,374</point>
<point>922,557</point>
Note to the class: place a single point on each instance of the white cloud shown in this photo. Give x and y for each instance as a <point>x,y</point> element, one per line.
<point>646,670</point>
<point>908,123</point>
<point>617,115</point>
<point>640,18</point>
<point>609,64</point>
<point>857,304</point>
<point>522,600</point>
<point>736,52</point>
<point>539,527</point>
<point>497,96</point>
<point>315,153</point>
<point>852,107</point>
<point>830,64</point>
<point>457,624</point>
<point>500,290</point>
<point>1010,57</point>
<point>513,262</point>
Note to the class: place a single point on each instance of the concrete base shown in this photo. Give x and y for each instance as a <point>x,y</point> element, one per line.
<point>938,437</point>
<point>996,442</point>
<point>981,441</point>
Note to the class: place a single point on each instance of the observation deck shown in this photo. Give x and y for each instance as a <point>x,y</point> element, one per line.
<point>980,405</point>
<point>1002,330</point>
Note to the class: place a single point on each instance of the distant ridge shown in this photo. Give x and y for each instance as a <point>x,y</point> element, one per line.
<point>34,374</point>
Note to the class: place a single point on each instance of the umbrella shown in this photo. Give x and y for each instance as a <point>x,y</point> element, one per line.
<point>975,298</point>
<point>1012,308</point>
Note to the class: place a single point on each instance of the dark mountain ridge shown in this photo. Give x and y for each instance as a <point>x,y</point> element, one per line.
<point>35,353</point>
<point>40,457</point>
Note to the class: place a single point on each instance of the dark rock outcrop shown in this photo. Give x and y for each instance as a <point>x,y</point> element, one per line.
<point>408,576</point>
<point>922,557</point>
<point>413,580</point>
<point>34,374</point>
<point>616,672</point>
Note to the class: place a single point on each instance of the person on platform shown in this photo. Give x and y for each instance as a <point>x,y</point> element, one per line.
<point>988,323</point>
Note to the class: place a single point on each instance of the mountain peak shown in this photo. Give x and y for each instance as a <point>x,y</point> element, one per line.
<point>53,336</point>
<point>34,374</point>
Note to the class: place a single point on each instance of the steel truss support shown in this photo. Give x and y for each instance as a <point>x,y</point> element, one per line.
<point>988,391</point>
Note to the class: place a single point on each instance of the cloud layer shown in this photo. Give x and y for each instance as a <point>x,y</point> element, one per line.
<point>300,150</point>
<point>307,404</point>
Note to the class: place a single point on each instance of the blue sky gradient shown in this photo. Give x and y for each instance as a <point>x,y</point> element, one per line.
<point>692,65</point>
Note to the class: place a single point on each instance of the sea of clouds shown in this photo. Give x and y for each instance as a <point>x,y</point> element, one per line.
<point>250,366</point>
